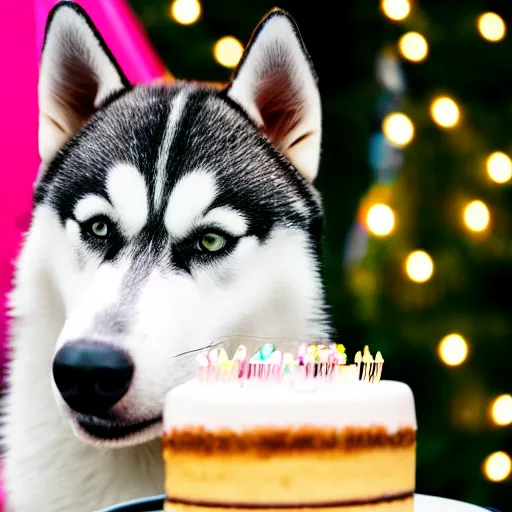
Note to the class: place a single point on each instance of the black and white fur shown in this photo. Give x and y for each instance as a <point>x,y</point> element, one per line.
<point>160,166</point>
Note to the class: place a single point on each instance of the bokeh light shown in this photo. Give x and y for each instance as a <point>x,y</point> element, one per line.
<point>499,167</point>
<point>491,27</point>
<point>396,10</point>
<point>413,46</point>
<point>476,216</point>
<point>501,410</point>
<point>445,112</point>
<point>380,220</point>
<point>419,266</point>
<point>228,51</point>
<point>497,466</point>
<point>186,12</point>
<point>398,129</point>
<point>453,350</point>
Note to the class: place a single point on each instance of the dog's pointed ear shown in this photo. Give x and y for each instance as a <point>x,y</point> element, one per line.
<point>77,73</point>
<point>276,85</point>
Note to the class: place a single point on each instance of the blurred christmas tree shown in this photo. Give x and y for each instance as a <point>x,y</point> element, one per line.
<point>425,272</point>
<point>431,253</point>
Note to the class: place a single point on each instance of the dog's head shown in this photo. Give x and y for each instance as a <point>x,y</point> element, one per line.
<point>179,215</point>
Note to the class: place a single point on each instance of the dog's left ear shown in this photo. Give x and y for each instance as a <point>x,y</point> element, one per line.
<point>77,73</point>
<point>275,83</point>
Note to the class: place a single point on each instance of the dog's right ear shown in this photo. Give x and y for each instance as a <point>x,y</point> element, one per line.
<point>77,73</point>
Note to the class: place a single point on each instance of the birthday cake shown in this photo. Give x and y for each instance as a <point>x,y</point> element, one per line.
<point>282,431</point>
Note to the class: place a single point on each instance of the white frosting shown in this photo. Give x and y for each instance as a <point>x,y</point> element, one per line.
<point>230,405</point>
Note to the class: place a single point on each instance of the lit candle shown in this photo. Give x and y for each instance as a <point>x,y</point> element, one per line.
<point>357,360</point>
<point>323,356</point>
<point>241,361</point>
<point>288,363</point>
<point>379,360</point>
<point>309,363</point>
<point>340,349</point>
<point>312,350</point>
<point>367,364</point>
<point>301,354</point>
<point>241,353</point>
<point>266,350</point>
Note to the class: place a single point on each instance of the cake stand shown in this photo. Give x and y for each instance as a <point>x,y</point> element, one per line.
<point>422,503</point>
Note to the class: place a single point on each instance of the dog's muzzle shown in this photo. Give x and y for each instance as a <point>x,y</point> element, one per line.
<point>92,376</point>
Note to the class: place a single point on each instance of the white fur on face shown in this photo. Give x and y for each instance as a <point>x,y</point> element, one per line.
<point>128,192</point>
<point>177,107</point>
<point>92,205</point>
<point>273,291</point>
<point>100,291</point>
<point>48,281</point>
<point>193,193</point>
<point>226,218</point>
<point>265,290</point>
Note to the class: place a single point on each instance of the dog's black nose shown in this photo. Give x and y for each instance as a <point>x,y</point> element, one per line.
<point>92,376</point>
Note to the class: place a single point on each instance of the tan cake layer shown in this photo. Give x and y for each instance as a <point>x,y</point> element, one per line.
<point>289,467</point>
<point>400,505</point>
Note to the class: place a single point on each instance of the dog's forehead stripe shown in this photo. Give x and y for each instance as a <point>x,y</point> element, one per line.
<point>177,108</point>
<point>129,195</point>
<point>189,198</point>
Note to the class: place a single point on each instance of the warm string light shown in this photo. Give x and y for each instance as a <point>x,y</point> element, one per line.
<point>491,27</point>
<point>501,410</point>
<point>476,216</point>
<point>413,46</point>
<point>499,167</point>
<point>380,220</point>
<point>186,12</point>
<point>398,129</point>
<point>445,112</point>
<point>396,10</point>
<point>453,350</point>
<point>228,51</point>
<point>419,266</point>
<point>497,466</point>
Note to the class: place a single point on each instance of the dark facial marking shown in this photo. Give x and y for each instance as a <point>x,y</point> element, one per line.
<point>213,134</point>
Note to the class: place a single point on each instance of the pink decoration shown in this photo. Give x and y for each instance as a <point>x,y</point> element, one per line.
<point>22,25</point>
<point>18,133</point>
<point>311,363</point>
<point>122,32</point>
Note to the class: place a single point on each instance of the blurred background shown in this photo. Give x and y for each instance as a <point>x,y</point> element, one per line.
<point>415,176</point>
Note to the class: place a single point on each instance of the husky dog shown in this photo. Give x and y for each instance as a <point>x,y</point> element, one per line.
<point>165,217</point>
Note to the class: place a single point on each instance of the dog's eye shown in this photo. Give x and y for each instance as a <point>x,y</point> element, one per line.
<point>211,242</point>
<point>99,229</point>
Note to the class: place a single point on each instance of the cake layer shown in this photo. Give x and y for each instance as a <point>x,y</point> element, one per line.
<point>400,504</point>
<point>308,477</point>
<point>216,406</point>
<point>274,441</point>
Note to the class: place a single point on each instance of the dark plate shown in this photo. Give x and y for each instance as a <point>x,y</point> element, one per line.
<point>154,504</point>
